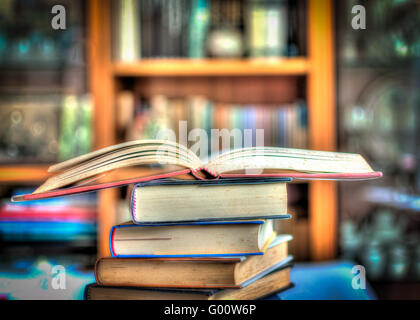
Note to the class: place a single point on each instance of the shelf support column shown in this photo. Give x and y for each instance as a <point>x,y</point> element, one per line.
<point>102,89</point>
<point>322,126</point>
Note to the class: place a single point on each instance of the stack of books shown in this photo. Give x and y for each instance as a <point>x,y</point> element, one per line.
<point>198,239</point>
<point>198,230</point>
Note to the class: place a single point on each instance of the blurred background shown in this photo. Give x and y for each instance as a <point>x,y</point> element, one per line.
<point>121,70</point>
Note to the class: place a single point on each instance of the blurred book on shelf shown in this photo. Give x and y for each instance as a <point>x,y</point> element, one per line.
<point>207,28</point>
<point>266,27</point>
<point>284,125</point>
<point>63,219</point>
<point>127,21</point>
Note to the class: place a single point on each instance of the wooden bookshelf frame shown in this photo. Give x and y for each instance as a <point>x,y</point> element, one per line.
<point>318,67</point>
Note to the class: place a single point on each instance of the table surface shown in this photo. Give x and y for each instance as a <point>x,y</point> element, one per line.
<point>318,281</point>
<point>324,281</point>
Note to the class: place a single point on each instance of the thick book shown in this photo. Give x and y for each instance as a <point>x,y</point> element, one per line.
<point>273,282</point>
<point>230,272</point>
<point>174,160</point>
<point>166,200</point>
<point>199,239</point>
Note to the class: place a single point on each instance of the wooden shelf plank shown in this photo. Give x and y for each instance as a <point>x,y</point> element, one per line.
<point>212,67</point>
<point>23,173</point>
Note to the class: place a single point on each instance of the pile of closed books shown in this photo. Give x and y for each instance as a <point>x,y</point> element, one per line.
<point>198,239</point>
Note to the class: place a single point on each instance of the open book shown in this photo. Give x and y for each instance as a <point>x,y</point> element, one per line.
<point>92,171</point>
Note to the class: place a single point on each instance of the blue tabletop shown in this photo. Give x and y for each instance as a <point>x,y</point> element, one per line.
<point>329,280</point>
<point>324,281</point>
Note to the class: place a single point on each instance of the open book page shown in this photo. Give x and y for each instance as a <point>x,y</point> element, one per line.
<point>284,159</point>
<point>139,152</point>
<point>149,144</point>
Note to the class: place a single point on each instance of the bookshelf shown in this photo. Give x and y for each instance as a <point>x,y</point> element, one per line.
<point>317,69</point>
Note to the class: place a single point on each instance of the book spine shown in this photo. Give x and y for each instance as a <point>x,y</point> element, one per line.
<point>95,270</point>
<point>199,22</point>
<point>111,241</point>
<point>276,30</point>
<point>146,28</point>
<point>164,38</point>
<point>129,35</point>
<point>256,26</point>
<point>293,49</point>
<point>174,28</point>
<point>86,293</point>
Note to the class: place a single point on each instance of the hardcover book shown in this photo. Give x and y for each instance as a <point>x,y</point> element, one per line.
<point>275,281</point>
<point>229,272</point>
<point>199,239</point>
<point>81,174</point>
<point>174,201</point>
